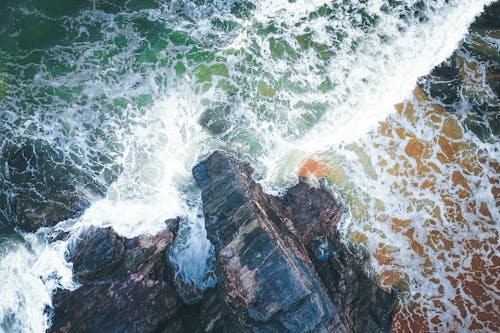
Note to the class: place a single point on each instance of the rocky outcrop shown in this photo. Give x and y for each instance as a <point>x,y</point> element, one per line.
<point>312,212</point>
<point>281,265</point>
<point>489,17</point>
<point>126,285</point>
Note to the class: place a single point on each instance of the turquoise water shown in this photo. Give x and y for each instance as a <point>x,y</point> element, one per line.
<point>105,106</point>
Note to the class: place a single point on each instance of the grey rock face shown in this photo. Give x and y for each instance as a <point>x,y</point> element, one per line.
<point>365,306</point>
<point>265,275</point>
<point>282,266</point>
<point>280,263</point>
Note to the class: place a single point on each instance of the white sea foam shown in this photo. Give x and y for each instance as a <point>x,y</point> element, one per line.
<point>381,72</point>
<point>31,270</point>
<point>389,71</point>
<point>157,167</point>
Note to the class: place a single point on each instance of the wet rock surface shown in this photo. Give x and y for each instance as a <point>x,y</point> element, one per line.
<point>126,285</point>
<point>489,17</point>
<point>280,263</point>
<point>313,213</point>
<point>282,266</point>
<point>39,187</point>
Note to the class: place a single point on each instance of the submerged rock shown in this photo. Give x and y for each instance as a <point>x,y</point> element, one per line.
<point>40,187</point>
<point>126,285</point>
<point>281,265</point>
<point>443,83</point>
<point>216,120</point>
<point>97,254</point>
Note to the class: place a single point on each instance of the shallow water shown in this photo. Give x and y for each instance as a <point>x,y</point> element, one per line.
<point>101,105</point>
<point>423,190</point>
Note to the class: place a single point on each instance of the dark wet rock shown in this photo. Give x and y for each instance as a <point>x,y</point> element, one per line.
<point>489,18</point>
<point>278,256</point>
<point>137,304</point>
<point>216,120</point>
<point>365,306</point>
<point>275,257</point>
<point>312,211</point>
<point>265,277</point>
<point>210,314</point>
<point>126,285</point>
<point>443,83</point>
<point>97,254</point>
<point>280,263</point>
<point>39,187</point>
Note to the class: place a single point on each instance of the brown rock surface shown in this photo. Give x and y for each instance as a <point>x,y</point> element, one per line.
<point>126,285</point>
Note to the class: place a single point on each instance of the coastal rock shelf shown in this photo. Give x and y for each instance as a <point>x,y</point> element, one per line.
<point>126,285</point>
<point>280,263</point>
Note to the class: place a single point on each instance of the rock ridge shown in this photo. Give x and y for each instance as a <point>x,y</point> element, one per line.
<point>281,266</point>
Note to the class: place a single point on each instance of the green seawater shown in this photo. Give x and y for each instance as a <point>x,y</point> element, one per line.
<point>78,76</point>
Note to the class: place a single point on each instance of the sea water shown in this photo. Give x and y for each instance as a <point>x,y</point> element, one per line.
<point>100,108</point>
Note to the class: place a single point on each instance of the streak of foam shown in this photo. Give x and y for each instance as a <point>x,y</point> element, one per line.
<point>381,74</point>
<point>383,69</point>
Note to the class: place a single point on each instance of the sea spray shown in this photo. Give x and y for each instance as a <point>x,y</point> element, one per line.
<point>31,270</point>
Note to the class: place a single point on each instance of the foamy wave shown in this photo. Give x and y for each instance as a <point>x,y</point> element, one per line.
<point>31,270</point>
